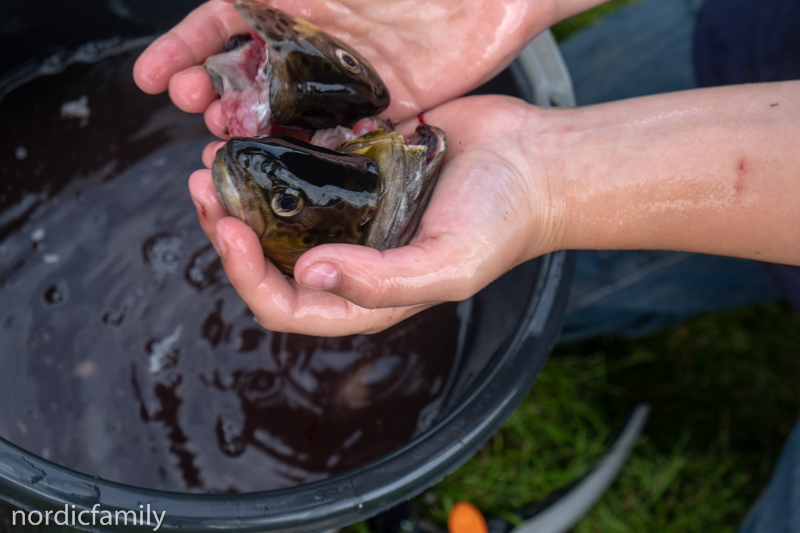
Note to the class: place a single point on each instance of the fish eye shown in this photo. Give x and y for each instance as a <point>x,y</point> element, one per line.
<point>287,202</point>
<point>348,61</point>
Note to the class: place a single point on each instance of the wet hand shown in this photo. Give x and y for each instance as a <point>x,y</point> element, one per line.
<point>420,49</point>
<point>486,216</point>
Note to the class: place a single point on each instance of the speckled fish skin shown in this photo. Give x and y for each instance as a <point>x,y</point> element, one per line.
<point>315,81</point>
<point>331,196</point>
<point>373,191</point>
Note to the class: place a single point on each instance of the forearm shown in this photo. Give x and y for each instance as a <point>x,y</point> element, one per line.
<point>714,171</point>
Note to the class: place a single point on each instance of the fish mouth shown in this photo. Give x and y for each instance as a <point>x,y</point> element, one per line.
<point>228,186</point>
<point>431,138</point>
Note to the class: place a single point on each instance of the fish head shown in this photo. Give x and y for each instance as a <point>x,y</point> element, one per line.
<point>409,168</point>
<point>315,80</point>
<point>295,195</point>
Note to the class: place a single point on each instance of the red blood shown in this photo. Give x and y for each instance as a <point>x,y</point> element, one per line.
<point>254,57</point>
<point>297,133</point>
<point>421,118</point>
<point>203,211</point>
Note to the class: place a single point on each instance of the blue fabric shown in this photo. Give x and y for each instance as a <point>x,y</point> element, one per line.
<point>746,41</point>
<point>637,292</point>
<point>778,508</point>
<point>633,293</point>
<point>750,41</point>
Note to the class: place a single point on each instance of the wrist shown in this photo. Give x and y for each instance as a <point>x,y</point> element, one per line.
<point>543,134</point>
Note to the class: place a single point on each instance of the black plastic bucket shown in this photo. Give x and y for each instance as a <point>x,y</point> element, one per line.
<point>512,325</point>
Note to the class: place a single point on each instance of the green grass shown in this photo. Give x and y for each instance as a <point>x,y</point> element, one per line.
<point>567,27</point>
<point>724,393</point>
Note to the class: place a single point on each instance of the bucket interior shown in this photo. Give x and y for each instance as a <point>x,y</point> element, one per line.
<point>134,373</point>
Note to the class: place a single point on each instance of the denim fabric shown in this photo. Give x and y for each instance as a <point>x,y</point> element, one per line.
<point>778,509</point>
<point>633,293</point>
<point>746,41</point>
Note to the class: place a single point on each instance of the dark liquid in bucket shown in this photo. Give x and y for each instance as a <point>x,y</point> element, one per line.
<point>124,351</point>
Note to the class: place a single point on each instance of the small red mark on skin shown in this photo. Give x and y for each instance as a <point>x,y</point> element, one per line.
<point>739,186</point>
<point>203,211</point>
<point>421,118</point>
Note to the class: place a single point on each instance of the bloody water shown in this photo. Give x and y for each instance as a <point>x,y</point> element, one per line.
<point>124,351</point>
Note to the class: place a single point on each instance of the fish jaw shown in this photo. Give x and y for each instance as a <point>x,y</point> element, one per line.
<point>315,80</point>
<point>409,169</point>
<point>240,77</point>
<point>236,192</point>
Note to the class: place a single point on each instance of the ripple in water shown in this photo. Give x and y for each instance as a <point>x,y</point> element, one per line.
<point>133,357</point>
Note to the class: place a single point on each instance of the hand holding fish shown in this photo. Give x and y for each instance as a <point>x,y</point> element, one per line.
<point>426,53</point>
<point>474,229</point>
<point>689,171</point>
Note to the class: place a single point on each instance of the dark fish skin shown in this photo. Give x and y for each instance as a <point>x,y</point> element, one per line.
<point>334,194</point>
<point>315,80</point>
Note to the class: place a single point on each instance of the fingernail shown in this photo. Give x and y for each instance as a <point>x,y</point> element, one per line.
<point>323,276</point>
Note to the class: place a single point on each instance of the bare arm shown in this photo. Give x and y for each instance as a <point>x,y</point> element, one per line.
<point>714,171</point>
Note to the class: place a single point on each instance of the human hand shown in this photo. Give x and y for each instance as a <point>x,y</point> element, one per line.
<point>486,216</point>
<point>426,53</point>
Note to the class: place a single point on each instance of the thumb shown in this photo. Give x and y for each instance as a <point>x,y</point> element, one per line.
<point>429,271</point>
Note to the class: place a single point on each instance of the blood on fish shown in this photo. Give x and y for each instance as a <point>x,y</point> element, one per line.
<point>297,133</point>
<point>254,57</point>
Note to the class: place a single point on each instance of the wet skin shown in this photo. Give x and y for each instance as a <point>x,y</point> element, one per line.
<point>295,195</point>
<point>315,81</point>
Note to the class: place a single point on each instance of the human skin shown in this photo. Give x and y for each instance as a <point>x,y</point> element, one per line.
<point>712,171</point>
<point>419,48</point>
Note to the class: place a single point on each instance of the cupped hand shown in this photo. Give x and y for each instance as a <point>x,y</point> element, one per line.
<point>491,210</point>
<point>426,52</point>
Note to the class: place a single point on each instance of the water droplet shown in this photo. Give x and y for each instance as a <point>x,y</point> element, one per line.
<point>261,388</point>
<point>231,435</point>
<point>162,252</point>
<point>165,353</point>
<point>37,235</point>
<point>204,268</point>
<point>56,294</point>
<point>21,153</point>
<point>115,318</point>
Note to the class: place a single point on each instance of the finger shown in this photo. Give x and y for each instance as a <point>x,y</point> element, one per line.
<point>191,90</point>
<point>216,122</point>
<point>201,34</point>
<point>429,271</point>
<point>210,152</point>
<point>280,304</point>
<point>209,210</point>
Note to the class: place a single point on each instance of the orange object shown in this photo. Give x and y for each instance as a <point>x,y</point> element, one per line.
<point>466,518</point>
